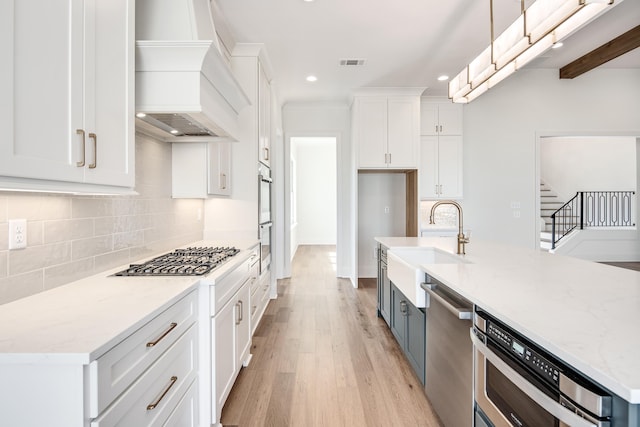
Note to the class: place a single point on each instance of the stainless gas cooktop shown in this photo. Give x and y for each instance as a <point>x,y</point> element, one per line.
<point>182,262</point>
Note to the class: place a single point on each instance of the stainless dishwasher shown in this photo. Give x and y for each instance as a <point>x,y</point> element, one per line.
<point>449,354</point>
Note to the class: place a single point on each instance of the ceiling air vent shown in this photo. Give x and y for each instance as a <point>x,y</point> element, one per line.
<point>351,62</point>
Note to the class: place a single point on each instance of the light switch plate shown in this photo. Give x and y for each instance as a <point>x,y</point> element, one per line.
<point>17,234</point>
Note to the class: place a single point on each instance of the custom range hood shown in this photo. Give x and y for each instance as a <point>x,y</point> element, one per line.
<point>185,90</point>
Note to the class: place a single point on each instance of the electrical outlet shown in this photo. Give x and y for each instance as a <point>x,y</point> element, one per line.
<point>386,209</point>
<point>375,252</point>
<point>17,234</point>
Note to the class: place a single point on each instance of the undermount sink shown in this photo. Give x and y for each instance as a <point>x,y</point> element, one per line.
<point>403,269</point>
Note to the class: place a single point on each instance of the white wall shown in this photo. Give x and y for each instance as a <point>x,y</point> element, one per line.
<point>571,164</point>
<point>501,131</point>
<point>381,212</point>
<point>316,195</point>
<point>323,119</point>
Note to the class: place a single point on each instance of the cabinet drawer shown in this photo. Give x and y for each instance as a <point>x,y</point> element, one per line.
<point>259,300</point>
<point>155,395</point>
<point>222,291</point>
<point>115,370</point>
<point>186,413</point>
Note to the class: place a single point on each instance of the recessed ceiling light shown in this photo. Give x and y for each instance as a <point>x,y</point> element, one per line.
<point>141,115</point>
<point>557,45</point>
<point>443,78</point>
<point>312,78</point>
<point>173,131</point>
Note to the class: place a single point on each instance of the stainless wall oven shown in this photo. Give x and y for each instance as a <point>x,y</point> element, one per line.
<point>264,194</point>
<point>519,384</point>
<point>264,216</point>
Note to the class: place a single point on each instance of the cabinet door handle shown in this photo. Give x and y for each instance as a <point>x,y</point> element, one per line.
<point>164,334</point>
<point>436,128</point>
<point>95,150</point>
<point>153,405</point>
<point>222,181</point>
<point>241,310</point>
<point>266,153</point>
<point>403,308</point>
<point>440,128</point>
<point>81,163</point>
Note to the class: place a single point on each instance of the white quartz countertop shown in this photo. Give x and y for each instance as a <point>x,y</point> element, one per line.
<point>586,314</point>
<point>78,322</point>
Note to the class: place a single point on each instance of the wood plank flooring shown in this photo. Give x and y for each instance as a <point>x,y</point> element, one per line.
<point>322,357</point>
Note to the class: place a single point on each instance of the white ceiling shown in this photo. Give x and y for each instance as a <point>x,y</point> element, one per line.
<point>405,43</point>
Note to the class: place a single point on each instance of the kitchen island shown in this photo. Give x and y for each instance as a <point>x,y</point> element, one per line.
<point>585,313</point>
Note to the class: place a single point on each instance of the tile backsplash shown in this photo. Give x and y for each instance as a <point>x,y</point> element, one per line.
<point>72,237</point>
<point>444,216</point>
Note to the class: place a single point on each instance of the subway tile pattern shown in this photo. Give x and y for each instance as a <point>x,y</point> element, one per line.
<point>73,237</point>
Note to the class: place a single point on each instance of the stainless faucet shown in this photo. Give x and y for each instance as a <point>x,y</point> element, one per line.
<point>462,239</point>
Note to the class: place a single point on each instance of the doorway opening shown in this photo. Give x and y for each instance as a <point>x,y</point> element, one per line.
<point>313,193</point>
<point>587,196</point>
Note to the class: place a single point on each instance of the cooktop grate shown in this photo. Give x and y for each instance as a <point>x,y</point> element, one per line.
<point>182,262</point>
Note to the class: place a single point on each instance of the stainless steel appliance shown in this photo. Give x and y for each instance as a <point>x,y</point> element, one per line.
<point>265,246</point>
<point>517,383</point>
<point>264,216</point>
<point>264,194</point>
<point>182,262</point>
<point>449,354</point>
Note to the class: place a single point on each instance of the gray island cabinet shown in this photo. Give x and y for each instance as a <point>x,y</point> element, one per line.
<point>407,322</point>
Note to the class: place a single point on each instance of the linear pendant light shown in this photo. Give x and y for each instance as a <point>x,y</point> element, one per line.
<point>542,24</point>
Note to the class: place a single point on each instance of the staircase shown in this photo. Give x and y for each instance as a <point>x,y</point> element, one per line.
<point>549,203</point>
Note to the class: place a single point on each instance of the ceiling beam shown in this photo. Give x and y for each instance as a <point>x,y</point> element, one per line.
<point>605,53</point>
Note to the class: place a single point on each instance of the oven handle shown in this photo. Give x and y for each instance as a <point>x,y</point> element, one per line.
<point>551,406</point>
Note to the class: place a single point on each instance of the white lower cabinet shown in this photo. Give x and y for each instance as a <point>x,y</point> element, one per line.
<point>232,342</point>
<point>156,394</point>
<point>140,381</point>
<point>259,298</point>
<point>225,331</point>
<point>186,413</point>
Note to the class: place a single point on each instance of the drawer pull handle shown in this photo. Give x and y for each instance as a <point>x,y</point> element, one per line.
<point>169,329</point>
<point>153,405</point>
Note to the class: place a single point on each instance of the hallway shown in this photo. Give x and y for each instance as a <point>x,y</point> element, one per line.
<point>321,357</point>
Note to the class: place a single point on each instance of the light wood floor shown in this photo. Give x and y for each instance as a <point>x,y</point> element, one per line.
<point>321,357</point>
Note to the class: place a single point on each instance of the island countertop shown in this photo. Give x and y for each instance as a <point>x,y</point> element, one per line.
<point>586,314</point>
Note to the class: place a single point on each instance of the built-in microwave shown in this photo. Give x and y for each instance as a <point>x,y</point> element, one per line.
<point>518,383</point>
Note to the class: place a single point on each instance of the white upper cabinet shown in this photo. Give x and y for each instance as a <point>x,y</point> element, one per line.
<point>440,167</point>
<point>201,169</point>
<point>440,150</point>
<point>387,131</point>
<point>264,118</point>
<point>440,119</point>
<point>66,95</point>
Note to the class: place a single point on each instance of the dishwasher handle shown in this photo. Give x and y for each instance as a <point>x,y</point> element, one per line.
<point>462,313</point>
